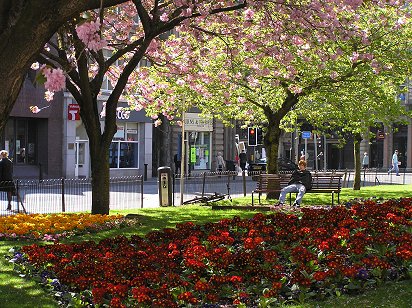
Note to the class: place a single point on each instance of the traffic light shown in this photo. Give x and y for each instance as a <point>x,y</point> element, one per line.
<point>259,136</point>
<point>251,136</point>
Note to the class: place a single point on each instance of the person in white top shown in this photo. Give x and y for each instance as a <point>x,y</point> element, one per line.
<point>395,165</point>
<point>365,160</point>
<point>221,165</point>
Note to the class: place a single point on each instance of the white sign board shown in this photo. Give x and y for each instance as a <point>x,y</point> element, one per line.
<point>196,123</point>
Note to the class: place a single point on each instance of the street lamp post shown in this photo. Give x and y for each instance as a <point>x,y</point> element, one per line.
<point>183,160</point>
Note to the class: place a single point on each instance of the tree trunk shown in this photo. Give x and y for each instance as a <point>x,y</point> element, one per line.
<point>164,145</point>
<point>356,149</point>
<point>271,141</point>
<point>100,178</point>
<point>273,133</point>
<point>25,27</point>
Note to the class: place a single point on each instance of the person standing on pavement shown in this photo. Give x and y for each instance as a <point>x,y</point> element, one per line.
<point>365,160</point>
<point>178,163</point>
<point>221,165</point>
<point>6,177</point>
<point>395,163</point>
<point>300,182</point>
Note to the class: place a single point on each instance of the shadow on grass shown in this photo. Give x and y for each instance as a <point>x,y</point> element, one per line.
<point>159,218</point>
<point>17,292</point>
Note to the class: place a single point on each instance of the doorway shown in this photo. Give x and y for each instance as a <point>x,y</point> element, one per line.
<point>81,169</point>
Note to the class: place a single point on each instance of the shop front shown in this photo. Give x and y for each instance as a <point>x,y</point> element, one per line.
<point>199,141</point>
<point>33,140</point>
<point>127,153</point>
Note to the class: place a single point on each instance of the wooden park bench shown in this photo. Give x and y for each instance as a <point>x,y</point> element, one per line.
<point>267,183</point>
<point>328,182</point>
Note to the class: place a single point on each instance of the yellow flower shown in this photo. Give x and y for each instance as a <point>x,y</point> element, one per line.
<point>36,225</point>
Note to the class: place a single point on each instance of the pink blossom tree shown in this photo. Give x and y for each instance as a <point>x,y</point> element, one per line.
<point>273,62</point>
<point>128,32</point>
<point>254,64</point>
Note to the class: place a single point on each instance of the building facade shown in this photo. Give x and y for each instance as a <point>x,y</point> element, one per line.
<point>34,141</point>
<point>129,152</point>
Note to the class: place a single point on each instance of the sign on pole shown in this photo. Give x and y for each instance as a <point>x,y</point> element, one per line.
<point>306,134</point>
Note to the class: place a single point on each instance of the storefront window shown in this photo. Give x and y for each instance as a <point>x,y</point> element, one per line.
<point>123,151</point>
<point>200,150</point>
<point>20,137</point>
<point>128,155</point>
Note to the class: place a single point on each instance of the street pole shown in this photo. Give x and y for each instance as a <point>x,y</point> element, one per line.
<point>316,151</point>
<point>306,149</point>
<point>183,160</point>
<point>296,143</point>
<point>324,153</point>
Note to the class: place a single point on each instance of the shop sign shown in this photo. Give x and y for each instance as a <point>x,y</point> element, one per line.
<point>122,114</point>
<point>131,131</point>
<point>73,112</point>
<point>380,135</point>
<point>193,154</point>
<point>194,122</point>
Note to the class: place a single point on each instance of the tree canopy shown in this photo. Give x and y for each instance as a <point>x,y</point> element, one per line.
<point>315,58</point>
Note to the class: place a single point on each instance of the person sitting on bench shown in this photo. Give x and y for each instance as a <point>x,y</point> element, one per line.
<point>300,182</point>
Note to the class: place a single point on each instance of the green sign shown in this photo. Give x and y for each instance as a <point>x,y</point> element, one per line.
<point>192,154</point>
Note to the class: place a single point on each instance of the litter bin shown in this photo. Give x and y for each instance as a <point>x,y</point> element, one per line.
<point>165,186</point>
<point>230,165</point>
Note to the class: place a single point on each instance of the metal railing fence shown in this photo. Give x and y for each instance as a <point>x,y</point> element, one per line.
<point>70,195</point>
<point>132,192</point>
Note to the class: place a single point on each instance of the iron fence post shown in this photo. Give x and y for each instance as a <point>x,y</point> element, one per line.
<point>173,188</point>
<point>63,193</point>
<point>40,173</point>
<point>203,184</point>
<point>145,172</point>
<point>244,182</point>
<point>141,193</point>
<point>17,195</point>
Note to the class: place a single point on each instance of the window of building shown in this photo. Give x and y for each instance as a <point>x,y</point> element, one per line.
<point>200,150</point>
<point>124,149</point>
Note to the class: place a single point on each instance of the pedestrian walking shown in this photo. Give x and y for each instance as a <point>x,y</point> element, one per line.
<point>365,160</point>
<point>302,156</point>
<point>178,163</point>
<point>6,177</point>
<point>395,163</point>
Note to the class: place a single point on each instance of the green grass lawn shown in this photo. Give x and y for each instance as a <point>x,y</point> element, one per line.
<point>17,292</point>
<point>381,191</point>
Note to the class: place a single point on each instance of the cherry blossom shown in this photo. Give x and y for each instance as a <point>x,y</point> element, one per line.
<point>55,79</point>
<point>88,32</point>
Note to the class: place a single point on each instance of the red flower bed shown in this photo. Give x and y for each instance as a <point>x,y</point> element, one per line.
<point>269,258</point>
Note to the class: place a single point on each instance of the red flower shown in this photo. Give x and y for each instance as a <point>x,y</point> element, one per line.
<point>116,303</point>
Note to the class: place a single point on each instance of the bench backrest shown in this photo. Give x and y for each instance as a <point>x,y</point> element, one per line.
<point>319,180</point>
<point>326,181</point>
<point>267,181</point>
